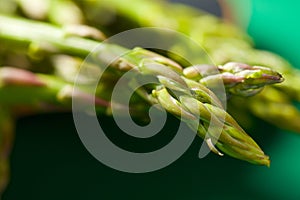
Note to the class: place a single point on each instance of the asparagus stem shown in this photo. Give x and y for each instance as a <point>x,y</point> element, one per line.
<point>20,87</point>
<point>40,36</point>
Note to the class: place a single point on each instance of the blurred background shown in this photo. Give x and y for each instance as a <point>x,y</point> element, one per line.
<point>49,161</point>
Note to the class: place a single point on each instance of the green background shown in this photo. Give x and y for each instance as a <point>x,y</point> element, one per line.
<point>274,25</point>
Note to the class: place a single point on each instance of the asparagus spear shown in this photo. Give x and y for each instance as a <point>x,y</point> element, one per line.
<point>239,79</point>
<point>233,140</point>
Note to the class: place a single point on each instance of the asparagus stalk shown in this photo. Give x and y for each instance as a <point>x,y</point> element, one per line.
<point>42,37</point>
<point>19,87</point>
<point>233,140</point>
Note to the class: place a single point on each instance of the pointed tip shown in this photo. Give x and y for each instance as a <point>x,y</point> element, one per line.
<point>259,158</point>
<point>266,161</point>
<point>277,78</point>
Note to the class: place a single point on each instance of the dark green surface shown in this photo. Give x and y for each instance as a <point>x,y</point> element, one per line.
<point>49,162</point>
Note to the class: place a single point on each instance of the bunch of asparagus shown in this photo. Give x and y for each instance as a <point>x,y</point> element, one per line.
<point>223,42</point>
<point>44,58</point>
